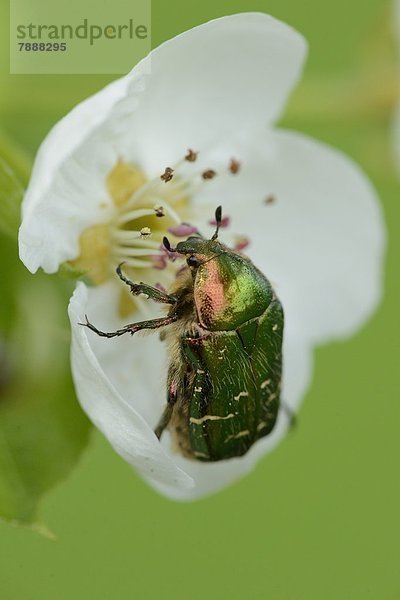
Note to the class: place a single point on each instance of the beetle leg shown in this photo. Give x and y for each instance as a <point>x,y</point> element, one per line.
<point>291,415</point>
<point>148,290</point>
<point>165,419</point>
<point>133,327</point>
<point>167,414</point>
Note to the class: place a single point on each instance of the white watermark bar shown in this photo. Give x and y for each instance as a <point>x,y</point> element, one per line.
<point>79,36</point>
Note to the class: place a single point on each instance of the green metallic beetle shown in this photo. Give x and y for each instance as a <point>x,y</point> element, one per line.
<point>224,334</point>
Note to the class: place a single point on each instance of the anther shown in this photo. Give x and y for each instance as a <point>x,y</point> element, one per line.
<point>159,210</point>
<point>209,174</point>
<point>159,262</point>
<point>191,155</point>
<point>225,222</point>
<point>145,232</point>
<point>234,166</point>
<point>160,287</point>
<point>167,175</point>
<point>183,230</point>
<point>241,243</point>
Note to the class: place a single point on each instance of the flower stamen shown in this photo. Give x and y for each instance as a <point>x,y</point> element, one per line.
<point>234,166</point>
<point>225,222</point>
<point>126,236</point>
<point>132,215</point>
<point>145,232</point>
<point>191,155</point>
<point>183,230</point>
<point>167,175</point>
<point>159,210</point>
<point>124,250</point>
<point>208,174</point>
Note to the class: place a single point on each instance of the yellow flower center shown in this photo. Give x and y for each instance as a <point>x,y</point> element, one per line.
<point>143,210</point>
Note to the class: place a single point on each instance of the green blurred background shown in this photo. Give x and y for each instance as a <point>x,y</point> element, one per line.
<point>319,517</point>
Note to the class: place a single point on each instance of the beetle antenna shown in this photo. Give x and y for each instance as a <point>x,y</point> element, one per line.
<point>218,219</point>
<point>168,245</point>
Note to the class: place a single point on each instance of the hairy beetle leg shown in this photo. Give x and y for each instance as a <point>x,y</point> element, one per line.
<point>167,413</point>
<point>132,327</point>
<point>165,419</point>
<point>148,290</point>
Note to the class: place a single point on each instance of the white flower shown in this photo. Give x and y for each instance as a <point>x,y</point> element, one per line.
<point>217,89</point>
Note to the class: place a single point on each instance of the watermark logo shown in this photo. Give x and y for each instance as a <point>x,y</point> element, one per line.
<point>78,36</point>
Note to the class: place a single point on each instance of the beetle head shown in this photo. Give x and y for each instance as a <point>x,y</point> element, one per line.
<point>197,249</point>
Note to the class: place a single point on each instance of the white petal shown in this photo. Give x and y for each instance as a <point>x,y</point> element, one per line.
<point>321,242</point>
<point>229,74</point>
<point>67,187</point>
<point>124,427</point>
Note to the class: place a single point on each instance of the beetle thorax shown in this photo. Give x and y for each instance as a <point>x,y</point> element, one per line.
<point>228,291</point>
<point>209,294</point>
